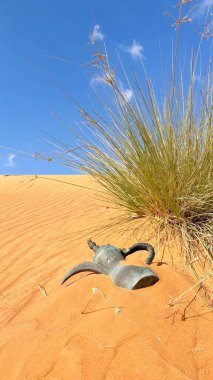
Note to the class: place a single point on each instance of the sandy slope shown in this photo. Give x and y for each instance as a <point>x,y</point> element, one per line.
<point>73,333</point>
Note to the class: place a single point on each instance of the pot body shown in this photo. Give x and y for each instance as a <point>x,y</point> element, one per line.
<point>108,256</point>
<point>128,276</point>
<point>133,277</point>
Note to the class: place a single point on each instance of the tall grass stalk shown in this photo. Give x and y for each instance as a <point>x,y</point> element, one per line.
<point>156,161</point>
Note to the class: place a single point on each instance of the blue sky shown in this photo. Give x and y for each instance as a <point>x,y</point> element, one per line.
<point>55,35</point>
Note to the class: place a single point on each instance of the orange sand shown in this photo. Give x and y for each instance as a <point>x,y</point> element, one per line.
<point>74,333</point>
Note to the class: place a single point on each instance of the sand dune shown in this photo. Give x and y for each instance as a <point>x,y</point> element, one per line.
<point>49,331</point>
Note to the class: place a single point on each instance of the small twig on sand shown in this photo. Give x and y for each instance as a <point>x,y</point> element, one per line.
<point>172,315</point>
<point>103,308</point>
<point>183,317</point>
<point>42,290</point>
<point>117,309</point>
<point>94,291</point>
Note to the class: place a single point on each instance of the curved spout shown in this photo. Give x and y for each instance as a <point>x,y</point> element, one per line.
<point>138,247</point>
<point>92,267</point>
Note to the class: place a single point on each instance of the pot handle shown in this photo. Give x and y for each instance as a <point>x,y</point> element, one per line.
<point>138,247</point>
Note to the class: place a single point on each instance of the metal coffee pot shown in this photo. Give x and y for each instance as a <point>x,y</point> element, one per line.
<point>107,260</point>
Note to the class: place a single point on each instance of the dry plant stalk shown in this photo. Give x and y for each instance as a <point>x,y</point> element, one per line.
<point>173,301</point>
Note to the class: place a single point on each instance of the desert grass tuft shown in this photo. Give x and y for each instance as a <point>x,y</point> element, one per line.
<point>158,164</point>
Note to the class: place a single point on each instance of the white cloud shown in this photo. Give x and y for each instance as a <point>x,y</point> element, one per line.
<point>199,79</point>
<point>105,79</point>
<point>136,50</point>
<point>127,94</point>
<point>96,34</point>
<point>203,7</point>
<point>97,80</point>
<point>10,160</point>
